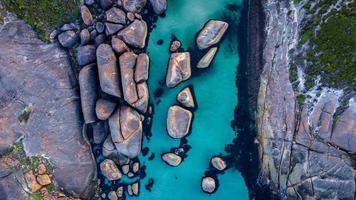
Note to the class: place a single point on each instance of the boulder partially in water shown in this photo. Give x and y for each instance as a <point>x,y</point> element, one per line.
<point>178,122</point>
<point>143,97</point>
<point>211,34</point>
<point>109,170</point>
<point>109,75</point>
<point>179,69</point>
<point>135,34</point>
<point>133,5</point>
<point>159,6</point>
<point>218,163</point>
<point>126,131</point>
<point>175,45</point>
<point>172,159</point>
<point>208,185</point>
<point>185,97</point>
<point>206,60</point>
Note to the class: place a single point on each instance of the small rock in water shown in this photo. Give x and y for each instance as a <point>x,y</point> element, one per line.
<point>175,46</point>
<point>136,167</point>
<point>211,34</point>
<point>179,69</point>
<point>185,97</point>
<point>88,92</point>
<point>104,108</point>
<point>129,190</point>
<point>208,185</point>
<point>135,34</point>
<point>109,74</point>
<point>135,188</point>
<point>178,121</point>
<point>110,170</point>
<point>85,55</point>
<point>68,39</point>
<point>84,37</point>
<point>205,61</point>
<point>86,15</point>
<point>159,6</point>
<point>120,192</point>
<point>171,159</point>
<point>218,163</point>
<point>116,15</point>
<point>133,5</point>
<point>125,169</point>
<point>119,46</point>
<point>112,195</point>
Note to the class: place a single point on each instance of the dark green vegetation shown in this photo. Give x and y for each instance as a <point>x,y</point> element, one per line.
<point>44,15</point>
<point>334,45</point>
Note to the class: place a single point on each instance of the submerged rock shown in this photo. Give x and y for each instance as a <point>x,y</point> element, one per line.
<point>104,108</point>
<point>116,15</point>
<point>208,185</point>
<point>172,159</point>
<point>211,34</point>
<point>218,163</point>
<point>159,6</point>
<point>88,92</point>
<point>110,170</point>
<point>133,5</point>
<point>68,39</point>
<point>185,97</point>
<point>126,131</point>
<point>135,34</point>
<point>127,67</point>
<point>178,121</point>
<point>179,69</point>
<point>85,55</point>
<point>108,70</point>
<point>86,15</point>
<point>206,60</point>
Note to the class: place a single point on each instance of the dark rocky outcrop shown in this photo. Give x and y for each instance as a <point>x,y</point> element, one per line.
<point>40,102</point>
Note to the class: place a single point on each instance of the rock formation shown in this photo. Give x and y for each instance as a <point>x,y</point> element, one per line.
<point>211,34</point>
<point>179,69</point>
<point>172,159</point>
<point>178,122</point>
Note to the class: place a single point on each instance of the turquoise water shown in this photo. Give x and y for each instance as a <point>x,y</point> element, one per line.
<point>216,97</point>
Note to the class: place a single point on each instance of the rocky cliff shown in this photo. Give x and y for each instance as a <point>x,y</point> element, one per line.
<point>305,147</point>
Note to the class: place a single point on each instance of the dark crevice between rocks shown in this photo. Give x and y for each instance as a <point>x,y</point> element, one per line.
<point>243,152</point>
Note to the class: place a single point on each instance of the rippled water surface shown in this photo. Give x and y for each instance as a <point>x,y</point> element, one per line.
<point>216,96</point>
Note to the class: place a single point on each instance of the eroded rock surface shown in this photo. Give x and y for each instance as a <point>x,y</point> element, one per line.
<point>40,102</point>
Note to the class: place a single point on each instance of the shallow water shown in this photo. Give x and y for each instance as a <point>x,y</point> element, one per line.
<point>216,97</point>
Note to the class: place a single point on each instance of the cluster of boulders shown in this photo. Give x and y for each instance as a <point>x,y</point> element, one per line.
<point>113,74</point>
<point>38,180</point>
<point>209,183</point>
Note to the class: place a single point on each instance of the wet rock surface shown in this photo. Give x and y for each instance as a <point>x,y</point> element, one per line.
<point>185,97</point>
<point>179,69</point>
<point>211,34</point>
<point>206,60</point>
<point>304,152</point>
<point>218,163</point>
<point>172,159</point>
<point>40,102</point>
<point>208,185</point>
<point>178,121</point>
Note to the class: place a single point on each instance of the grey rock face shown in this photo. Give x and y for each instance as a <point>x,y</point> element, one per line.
<point>109,75</point>
<point>135,34</point>
<point>178,121</point>
<point>159,6</point>
<point>116,15</point>
<point>211,34</point>
<point>88,92</point>
<point>179,69</point>
<point>40,78</point>
<point>68,39</point>
<point>85,54</point>
<point>302,156</point>
<point>133,5</point>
